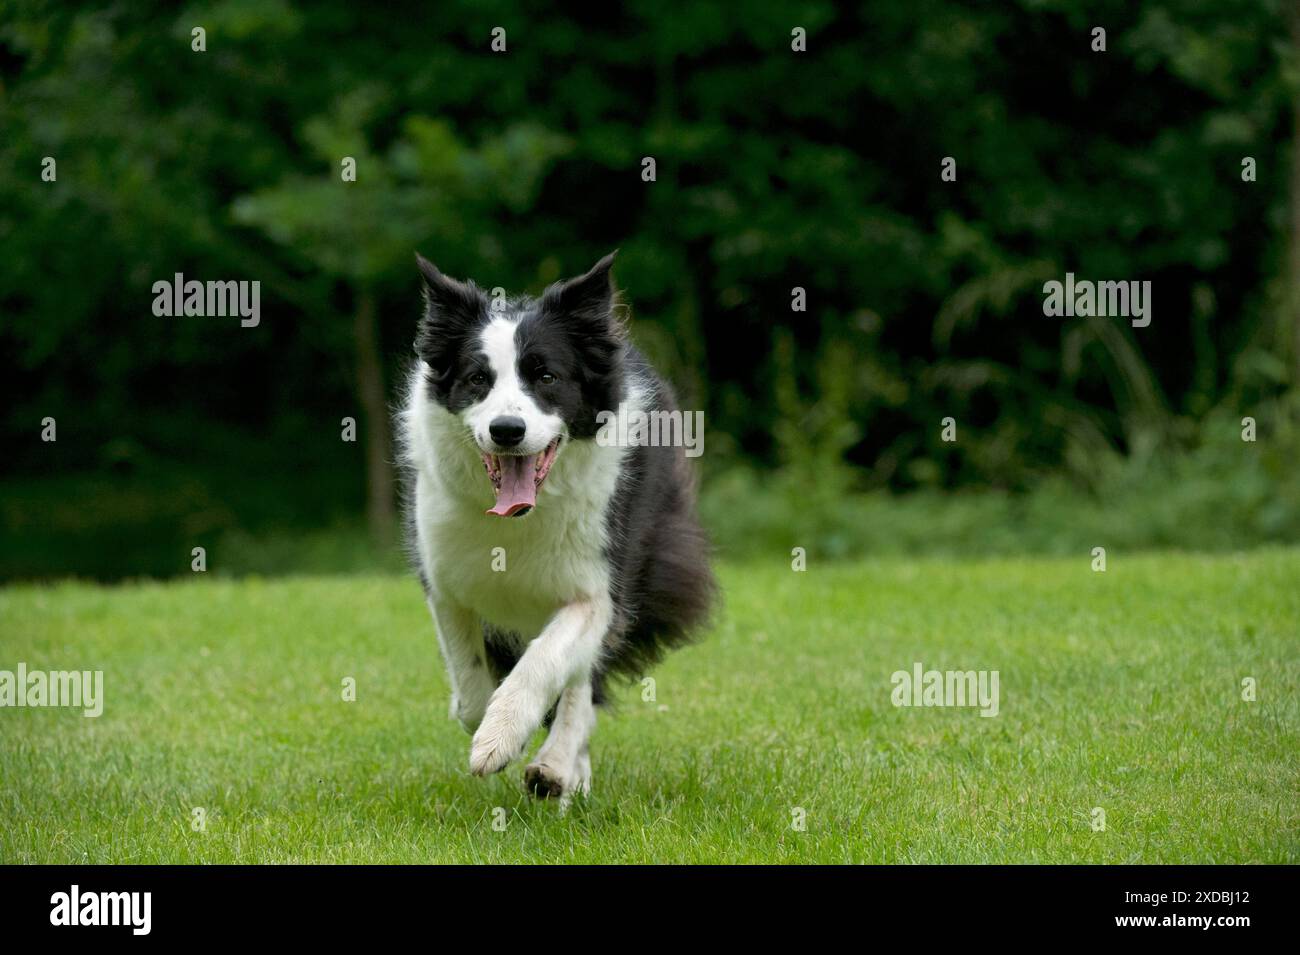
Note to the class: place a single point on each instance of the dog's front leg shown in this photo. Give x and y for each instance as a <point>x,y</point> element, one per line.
<point>563,654</point>
<point>460,637</point>
<point>562,767</point>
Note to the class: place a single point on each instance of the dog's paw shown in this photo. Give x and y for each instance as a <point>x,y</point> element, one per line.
<point>500,738</point>
<point>545,781</point>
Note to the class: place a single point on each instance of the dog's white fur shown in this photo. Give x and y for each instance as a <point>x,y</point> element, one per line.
<point>556,584</point>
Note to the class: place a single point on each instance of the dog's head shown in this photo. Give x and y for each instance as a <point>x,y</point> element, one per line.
<point>524,377</point>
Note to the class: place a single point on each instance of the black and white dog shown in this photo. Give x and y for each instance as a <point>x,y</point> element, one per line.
<point>551,560</point>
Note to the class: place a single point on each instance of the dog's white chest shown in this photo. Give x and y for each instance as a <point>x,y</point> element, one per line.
<point>515,573</point>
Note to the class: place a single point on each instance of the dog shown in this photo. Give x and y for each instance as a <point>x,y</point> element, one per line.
<point>552,559</point>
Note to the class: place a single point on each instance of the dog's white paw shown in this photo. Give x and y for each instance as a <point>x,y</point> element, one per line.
<point>501,737</point>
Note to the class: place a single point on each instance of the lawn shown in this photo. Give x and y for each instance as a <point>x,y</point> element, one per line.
<point>773,740</point>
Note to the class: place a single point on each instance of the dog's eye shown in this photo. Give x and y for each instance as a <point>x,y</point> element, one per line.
<point>546,378</point>
<point>478,378</point>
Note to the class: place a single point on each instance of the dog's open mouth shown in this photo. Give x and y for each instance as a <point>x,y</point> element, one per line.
<point>516,479</point>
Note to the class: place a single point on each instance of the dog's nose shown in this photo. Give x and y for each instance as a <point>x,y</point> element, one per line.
<point>507,431</point>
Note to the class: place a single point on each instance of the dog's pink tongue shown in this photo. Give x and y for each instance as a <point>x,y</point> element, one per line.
<point>518,486</point>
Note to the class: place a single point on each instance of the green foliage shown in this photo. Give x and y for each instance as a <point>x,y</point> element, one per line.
<point>776,169</point>
<point>1222,495</point>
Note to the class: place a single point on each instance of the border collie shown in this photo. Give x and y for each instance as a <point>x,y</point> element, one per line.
<point>551,561</point>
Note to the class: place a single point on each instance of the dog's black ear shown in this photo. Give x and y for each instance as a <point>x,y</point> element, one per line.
<point>451,309</point>
<point>586,305</point>
<point>588,297</point>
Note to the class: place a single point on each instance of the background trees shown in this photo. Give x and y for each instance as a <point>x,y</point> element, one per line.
<point>775,169</point>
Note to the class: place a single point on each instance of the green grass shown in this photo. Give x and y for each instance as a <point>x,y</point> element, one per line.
<point>1118,690</point>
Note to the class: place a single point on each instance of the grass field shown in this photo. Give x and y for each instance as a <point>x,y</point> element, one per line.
<point>1119,690</point>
